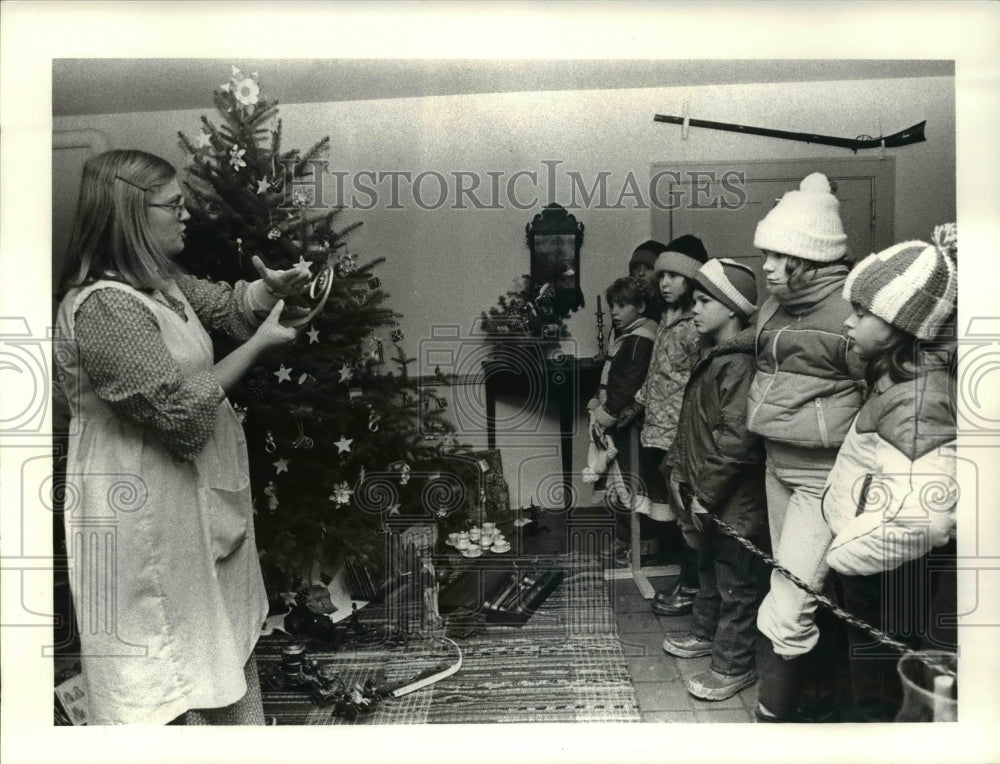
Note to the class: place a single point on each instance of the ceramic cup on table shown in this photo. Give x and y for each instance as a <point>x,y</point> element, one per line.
<point>452,539</point>
<point>489,528</point>
<point>500,548</point>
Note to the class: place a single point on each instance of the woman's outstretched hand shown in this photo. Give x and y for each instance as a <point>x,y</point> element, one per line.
<point>282,284</point>
<point>272,333</point>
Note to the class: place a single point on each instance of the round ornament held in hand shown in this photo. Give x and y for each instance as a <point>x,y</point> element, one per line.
<point>318,293</point>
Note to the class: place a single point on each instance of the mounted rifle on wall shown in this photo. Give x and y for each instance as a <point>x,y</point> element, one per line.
<point>905,137</point>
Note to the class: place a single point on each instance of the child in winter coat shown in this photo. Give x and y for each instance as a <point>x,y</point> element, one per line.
<point>675,351</point>
<point>806,390</point>
<point>890,497</point>
<point>718,470</point>
<point>614,414</point>
<point>642,266</point>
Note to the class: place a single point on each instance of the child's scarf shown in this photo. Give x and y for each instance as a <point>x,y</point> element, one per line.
<point>821,283</point>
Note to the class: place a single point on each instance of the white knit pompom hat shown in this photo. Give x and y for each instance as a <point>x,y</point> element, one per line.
<point>805,223</point>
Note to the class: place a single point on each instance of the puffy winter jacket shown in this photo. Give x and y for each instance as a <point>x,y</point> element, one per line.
<point>675,352</point>
<point>623,373</point>
<point>721,461</point>
<point>615,407</point>
<point>808,386</point>
<point>891,494</point>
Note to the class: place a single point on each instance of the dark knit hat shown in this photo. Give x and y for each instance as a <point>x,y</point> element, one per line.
<point>646,253</point>
<point>731,283</point>
<point>913,285</point>
<point>684,255</point>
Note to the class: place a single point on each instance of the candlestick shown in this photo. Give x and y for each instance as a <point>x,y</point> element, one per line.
<point>600,330</point>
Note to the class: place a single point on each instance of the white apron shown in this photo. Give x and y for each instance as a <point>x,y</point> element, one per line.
<point>163,562</point>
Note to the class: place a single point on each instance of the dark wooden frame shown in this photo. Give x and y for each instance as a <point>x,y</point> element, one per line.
<point>554,241</point>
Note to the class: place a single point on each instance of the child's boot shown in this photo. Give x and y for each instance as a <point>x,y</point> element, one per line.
<point>679,600</point>
<point>687,645</point>
<point>714,685</point>
<point>779,688</point>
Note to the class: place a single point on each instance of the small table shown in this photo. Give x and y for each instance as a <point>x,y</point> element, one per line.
<point>531,371</point>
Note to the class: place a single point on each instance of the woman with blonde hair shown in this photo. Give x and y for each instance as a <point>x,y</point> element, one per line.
<point>163,563</point>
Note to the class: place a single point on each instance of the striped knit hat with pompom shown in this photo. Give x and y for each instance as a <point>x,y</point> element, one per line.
<point>731,283</point>
<point>913,285</point>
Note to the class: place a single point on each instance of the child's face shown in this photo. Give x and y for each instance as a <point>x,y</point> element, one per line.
<point>623,314</point>
<point>775,269</point>
<point>673,287</point>
<point>644,272</point>
<point>870,333</point>
<point>710,315</point>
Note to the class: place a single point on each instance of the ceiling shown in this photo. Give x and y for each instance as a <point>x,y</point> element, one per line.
<point>109,86</point>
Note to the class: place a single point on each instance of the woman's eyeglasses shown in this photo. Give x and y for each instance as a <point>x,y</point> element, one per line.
<point>177,207</point>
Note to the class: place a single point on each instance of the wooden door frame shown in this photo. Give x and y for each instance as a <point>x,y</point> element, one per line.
<point>880,173</point>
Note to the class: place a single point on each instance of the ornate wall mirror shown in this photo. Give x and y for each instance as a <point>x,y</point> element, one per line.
<point>554,240</point>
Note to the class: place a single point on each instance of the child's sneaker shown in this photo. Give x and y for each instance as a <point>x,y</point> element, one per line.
<point>711,685</point>
<point>687,645</point>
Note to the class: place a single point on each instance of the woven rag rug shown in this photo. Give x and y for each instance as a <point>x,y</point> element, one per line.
<point>565,664</point>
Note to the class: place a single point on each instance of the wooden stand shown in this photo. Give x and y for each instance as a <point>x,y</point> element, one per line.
<point>636,572</point>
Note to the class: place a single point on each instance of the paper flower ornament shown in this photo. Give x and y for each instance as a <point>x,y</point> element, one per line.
<point>341,493</point>
<point>243,88</point>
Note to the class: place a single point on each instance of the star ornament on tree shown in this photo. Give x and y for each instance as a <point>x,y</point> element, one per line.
<point>343,445</point>
<point>283,374</point>
<point>280,466</point>
<point>313,334</point>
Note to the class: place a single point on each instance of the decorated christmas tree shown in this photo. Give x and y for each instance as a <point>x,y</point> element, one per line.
<point>341,439</point>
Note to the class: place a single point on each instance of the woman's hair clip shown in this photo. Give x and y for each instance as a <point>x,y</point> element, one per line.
<point>134,185</point>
